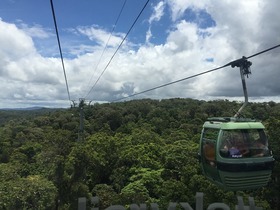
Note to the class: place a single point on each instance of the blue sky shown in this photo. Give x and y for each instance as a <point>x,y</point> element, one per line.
<point>171,40</point>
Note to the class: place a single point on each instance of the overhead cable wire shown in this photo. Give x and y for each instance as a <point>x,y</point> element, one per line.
<point>60,51</point>
<point>113,29</point>
<point>119,47</point>
<point>170,83</point>
<point>195,75</point>
<point>264,51</point>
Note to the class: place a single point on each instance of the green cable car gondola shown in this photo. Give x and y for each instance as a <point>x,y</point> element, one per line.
<point>233,151</point>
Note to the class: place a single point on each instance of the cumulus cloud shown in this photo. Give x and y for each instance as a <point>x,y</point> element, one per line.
<point>100,36</point>
<point>36,31</point>
<point>158,12</point>
<point>178,7</point>
<point>188,47</point>
<point>25,74</point>
<point>14,42</point>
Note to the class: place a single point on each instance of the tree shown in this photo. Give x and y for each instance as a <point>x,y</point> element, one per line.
<point>32,192</point>
<point>106,194</point>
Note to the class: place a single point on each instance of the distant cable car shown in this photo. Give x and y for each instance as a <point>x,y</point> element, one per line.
<point>233,151</point>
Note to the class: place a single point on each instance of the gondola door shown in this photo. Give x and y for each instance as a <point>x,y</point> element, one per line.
<point>208,153</point>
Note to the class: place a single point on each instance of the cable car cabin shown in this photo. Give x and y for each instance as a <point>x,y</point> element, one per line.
<point>234,153</point>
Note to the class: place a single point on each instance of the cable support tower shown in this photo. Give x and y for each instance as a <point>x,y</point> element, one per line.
<point>118,48</point>
<point>232,64</point>
<point>113,29</point>
<point>60,51</point>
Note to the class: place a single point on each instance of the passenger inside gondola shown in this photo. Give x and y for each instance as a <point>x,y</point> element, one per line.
<point>228,148</point>
<point>259,148</point>
<point>209,153</point>
<point>234,145</point>
<point>244,143</point>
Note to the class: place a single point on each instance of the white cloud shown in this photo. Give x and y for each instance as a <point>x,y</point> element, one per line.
<point>178,7</point>
<point>101,36</point>
<point>242,28</point>
<point>36,31</point>
<point>157,12</point>
<point>25,74</point>
<point>14,43</point>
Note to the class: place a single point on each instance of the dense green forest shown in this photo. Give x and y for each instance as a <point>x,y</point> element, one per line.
<point>139,151</point>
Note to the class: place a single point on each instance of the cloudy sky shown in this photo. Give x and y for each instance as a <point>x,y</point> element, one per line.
<point>171,40</point>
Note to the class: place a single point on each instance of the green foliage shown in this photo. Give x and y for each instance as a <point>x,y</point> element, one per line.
<point>134,192</point>
<point>136,151</point>
<point>32,192</point>
<point>106,194</point>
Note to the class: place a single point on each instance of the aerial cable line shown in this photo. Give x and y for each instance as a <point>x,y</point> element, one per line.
<point>60,51</point>
<point>264,51</point>
<point>170,83</point>
<point>113,29</point>
<point>196,75</point>
<point>118,47</point>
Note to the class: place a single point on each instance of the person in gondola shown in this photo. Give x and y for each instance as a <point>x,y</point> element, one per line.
<point>242,146</point>
<point>229,149</point>
<point>234,152</point>
<point>259,149</point>
<point>235,147</point>
<point>209,152</point>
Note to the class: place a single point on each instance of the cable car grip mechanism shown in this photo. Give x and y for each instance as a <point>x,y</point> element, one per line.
<point>244,66</point>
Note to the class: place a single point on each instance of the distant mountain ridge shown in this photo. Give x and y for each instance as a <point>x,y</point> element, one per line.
<point>25,109</point>
<point>7,114</point>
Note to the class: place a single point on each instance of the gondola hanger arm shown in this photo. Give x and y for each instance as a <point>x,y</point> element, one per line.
<point>244,66</point>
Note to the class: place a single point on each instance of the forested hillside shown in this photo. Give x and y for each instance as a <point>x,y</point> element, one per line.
<point>132,152</point>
